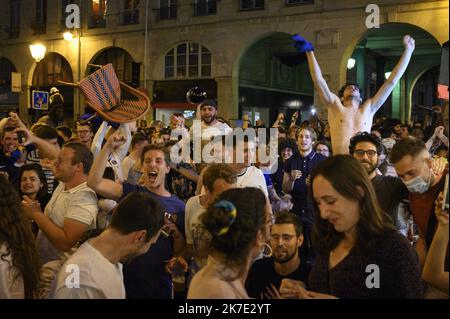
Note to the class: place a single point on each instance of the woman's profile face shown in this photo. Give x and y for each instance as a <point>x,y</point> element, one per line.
<point>339,211</point>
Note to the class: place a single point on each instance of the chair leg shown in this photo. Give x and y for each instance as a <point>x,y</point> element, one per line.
<point>68,83</point>
<point>95,65</point>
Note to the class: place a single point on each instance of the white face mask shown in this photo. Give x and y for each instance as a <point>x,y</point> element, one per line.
<point>418,185</point>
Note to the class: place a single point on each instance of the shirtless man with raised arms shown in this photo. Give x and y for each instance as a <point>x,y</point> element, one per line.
<point>347,113</point>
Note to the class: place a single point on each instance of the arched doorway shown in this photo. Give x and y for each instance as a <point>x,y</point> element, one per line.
<point>9,101</point>
<point>377,53</point>
<point>425,98</point>
<point>273,78</point>
<point>53,68</point>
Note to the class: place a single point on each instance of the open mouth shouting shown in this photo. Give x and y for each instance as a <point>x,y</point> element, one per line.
<point>152,176</point>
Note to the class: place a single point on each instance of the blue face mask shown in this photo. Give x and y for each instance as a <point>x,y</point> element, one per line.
<point>418,184</point>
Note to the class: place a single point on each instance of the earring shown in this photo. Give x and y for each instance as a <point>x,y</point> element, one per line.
<point>266,250</point>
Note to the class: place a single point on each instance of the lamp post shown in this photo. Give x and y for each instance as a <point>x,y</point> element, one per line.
<point>38,53</point>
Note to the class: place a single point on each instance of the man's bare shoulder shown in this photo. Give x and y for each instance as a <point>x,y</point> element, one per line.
<point>336,105</point>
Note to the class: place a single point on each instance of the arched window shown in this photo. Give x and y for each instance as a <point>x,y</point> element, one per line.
<point>187,60</point>
<point>52,68</point>
<point>121,61</point>
<point>6,67</point>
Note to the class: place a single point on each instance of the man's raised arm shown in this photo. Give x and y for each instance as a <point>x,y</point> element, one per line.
<point>319,82</point>
<point>102,186</point>
<point>321,85</point>
<point>383,93</point>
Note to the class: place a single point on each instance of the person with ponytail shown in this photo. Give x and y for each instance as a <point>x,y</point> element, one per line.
<point>239,222</point>
<point>19,265</point>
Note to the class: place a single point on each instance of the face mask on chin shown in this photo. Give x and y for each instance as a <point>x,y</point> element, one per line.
<point>418,185</point>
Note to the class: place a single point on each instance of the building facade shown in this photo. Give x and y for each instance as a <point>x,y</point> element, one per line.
<point>238,50</point>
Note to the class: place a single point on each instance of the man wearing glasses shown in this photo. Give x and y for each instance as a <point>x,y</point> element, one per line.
<point>265,275</point>
<point>366,148</point>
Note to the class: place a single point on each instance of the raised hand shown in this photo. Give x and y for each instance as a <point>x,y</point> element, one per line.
<point>30,207</point>
<point>295,174</point>
<point>441,215</point>
<point>439,131</point>
<point>25,136</point>
<point>301,44</point>
<point>116,140</point>
<point>439,164</point>
<point>409,43</point>
<point>293,289</point>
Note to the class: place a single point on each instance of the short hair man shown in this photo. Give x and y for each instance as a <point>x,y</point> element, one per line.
<point>135,226</point>
<point>146,277</point>
<point>210,126</point>
<point>296,176</point>
<point>247,174</point>
<point>413,164</point>
<point>265,275</point>
<point>390,190</point>
<point>72,210</point>
<point>85,133</point>
<point>347,113</point>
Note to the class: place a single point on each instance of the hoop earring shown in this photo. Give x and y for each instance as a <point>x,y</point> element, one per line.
<point>266,250</point>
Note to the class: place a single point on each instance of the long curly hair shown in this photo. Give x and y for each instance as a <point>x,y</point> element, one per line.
<point>16,235</point>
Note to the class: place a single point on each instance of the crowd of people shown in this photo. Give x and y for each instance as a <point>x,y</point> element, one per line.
<point>352,209</point>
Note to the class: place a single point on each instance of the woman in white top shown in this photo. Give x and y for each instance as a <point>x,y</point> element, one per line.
<point>19,266</point>
<point>239,222</point>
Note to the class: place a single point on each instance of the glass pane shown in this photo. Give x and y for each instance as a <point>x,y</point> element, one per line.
<point>206,70</point>
<point>181,59</point>
<point>181,49</point>
<point>169,61</point>
<point>170,52</point>
<point>193,59</point>
<point>193,71</point>
<point>193,48</point>
<point>206,58</point>
<point>181,72</point>
<point>169,72</point>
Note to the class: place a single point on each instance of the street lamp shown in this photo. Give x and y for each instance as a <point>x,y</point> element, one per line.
<point>351,63</point>
<point>38,51</point>
<point>68,36</point>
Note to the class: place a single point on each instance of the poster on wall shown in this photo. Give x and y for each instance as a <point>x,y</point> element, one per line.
<point>40,100</point>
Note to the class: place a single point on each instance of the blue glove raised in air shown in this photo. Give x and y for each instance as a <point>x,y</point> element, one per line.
<point>301,44</point>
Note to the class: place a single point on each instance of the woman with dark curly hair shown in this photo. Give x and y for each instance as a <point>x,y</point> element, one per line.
<point>19,265</point>
<point>239,222</point>
<point>33,184</point>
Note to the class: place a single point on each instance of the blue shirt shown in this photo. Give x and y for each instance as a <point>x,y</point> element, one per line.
<point>145,276</point>
<point>299,193</point>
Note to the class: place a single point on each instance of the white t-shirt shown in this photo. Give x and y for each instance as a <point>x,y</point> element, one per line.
<point>209,131</point>
<point>78,203</point>
<point>9,288</point>
<point>98,278</point>
<point>193,210</point>
<point>253,177</point>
